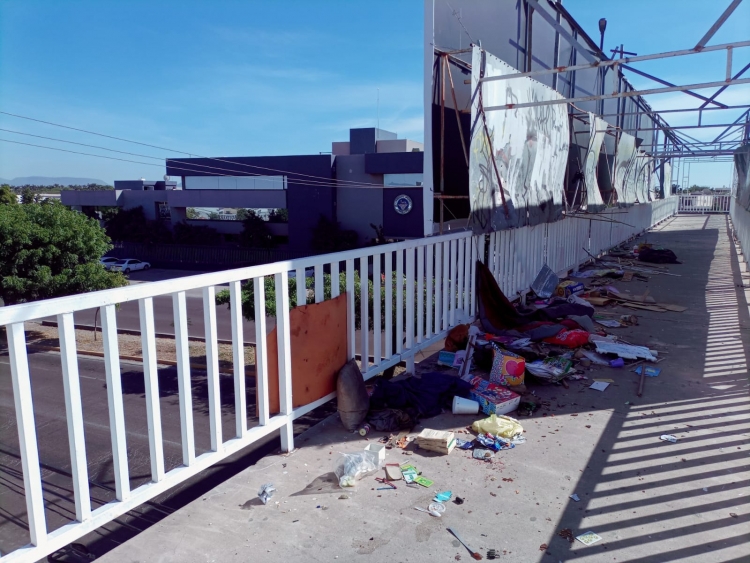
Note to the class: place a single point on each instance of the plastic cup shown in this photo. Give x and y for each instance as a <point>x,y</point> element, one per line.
<point>464,406</point>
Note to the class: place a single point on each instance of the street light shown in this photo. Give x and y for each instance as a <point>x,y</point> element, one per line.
<point>602,28</point>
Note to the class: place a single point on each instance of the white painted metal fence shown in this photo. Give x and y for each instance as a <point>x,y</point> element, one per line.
<point>434,288</point>
<point>741,226</point>
<point>704,203</point>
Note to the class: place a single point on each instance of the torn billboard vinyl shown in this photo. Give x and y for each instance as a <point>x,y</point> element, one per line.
<point>742,169</point>
<point>526,147</point>
<point>624,168</point>
<point>597,130</point>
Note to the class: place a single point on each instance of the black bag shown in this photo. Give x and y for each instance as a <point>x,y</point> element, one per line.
<point>658,256</point>
<point>353,401</point>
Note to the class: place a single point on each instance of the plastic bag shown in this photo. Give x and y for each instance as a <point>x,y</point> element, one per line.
<point>266,492</point>
<point>503,426</point>
<point>570,338</point>
<point>352,467</point>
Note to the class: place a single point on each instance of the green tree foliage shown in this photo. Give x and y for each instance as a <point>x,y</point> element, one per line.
<point>192,213</point>
<point>7,195</point>
<point>328,236</point>
<point>48,250</point>
<point>255,232</point>
<point>279,215</point>
<point>131,225</point>
<point>27,196</point>
<point>184,233</point>
<point>248,297</point>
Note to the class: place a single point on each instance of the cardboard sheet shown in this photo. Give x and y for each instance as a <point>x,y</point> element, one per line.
<point>318,343</point>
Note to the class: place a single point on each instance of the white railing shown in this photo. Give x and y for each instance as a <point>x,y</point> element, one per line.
<point>741,226</point>
<point>434,281</point>
<point>704,203</point>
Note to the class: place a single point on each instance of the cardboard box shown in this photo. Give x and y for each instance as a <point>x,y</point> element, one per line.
<point>568,288</point>
<point>493,398</point>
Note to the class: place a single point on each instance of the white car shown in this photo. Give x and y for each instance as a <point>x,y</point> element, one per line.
<point>128,265</point>
<point>108,261</point>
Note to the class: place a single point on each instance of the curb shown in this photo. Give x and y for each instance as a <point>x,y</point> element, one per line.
<point>39,347</point>
<point>133,332</point>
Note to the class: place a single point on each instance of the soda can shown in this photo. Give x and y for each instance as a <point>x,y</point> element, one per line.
<point>365,430</point>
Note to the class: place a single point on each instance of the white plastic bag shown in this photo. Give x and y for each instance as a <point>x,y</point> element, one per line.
<point>353,466</point>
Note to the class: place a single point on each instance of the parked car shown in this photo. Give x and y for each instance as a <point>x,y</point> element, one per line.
<point>128,265</point>
<point>108,261</point>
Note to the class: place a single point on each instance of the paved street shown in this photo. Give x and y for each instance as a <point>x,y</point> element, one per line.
<point>53,436</point>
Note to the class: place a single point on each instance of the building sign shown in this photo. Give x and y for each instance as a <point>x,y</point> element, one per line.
<point>402,204</point>
<point>164,211</point>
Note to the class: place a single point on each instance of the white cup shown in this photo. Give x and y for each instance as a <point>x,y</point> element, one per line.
<point>464,406</point>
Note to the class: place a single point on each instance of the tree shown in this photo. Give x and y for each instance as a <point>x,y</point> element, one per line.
<point>184,233</point>
<point>279,215</point>
<point>255,232</point>
<point>48,250</point>
<point>192,213</point>
<point>213,215</point>
<point>7,195</point>
<point>27,196</point>
<point>328,236</point>
<point>131,225</point>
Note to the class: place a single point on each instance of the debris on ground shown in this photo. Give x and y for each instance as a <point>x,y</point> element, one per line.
<point>589,538</point>
<point>266,492</point>
<point>668,438</point>
<point>567,534</point>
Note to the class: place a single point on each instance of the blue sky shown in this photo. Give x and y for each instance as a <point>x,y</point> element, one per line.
<point>228,78</point>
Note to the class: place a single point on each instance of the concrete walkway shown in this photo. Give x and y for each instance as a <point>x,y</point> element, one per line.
<point>650,501</point>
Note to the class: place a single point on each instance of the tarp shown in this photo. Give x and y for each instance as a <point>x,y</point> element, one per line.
<point>529,147</point>
<point>667,179</point>
<point>742,167</point>
<point>625,160</point>
<point>597,130</point>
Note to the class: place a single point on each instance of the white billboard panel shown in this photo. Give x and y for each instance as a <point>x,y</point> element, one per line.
<point>527,148</point>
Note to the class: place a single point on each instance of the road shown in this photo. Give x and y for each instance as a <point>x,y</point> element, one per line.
<point>55,456</point>
<point>128,316</point>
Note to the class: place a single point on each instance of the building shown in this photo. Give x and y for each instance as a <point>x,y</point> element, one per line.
<point>372,179</point>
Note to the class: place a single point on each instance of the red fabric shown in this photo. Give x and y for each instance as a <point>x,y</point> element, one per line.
<point>570,338</point>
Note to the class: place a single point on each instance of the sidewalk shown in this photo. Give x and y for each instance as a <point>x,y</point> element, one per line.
<point>650,501</point>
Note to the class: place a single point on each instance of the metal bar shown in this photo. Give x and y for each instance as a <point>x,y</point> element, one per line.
<point>729,63</point>
<point>114,402</point>
<point>24,405</point>
<point>612,62</point>
<point>442,127</point>
<point>399,300</point>
<point>285,358</point>
<point>377,330</point>
<point>410,310</point>
<point>238,358</point>
<point>428,290</point>
<point>184,387</point>
<point>736,121</point>
<point>351,326</point>
<point>742,71</point>
<point>300,281</point>
<point>627,94</point>
<point>458,116</point>
<point>388,305</point>
<point>684,110</point>
<point>335,279</point>
<point>319,285</point>
<point>261,351</point>
<point>563,32</point>
<point>659,80</point>
<point>364,309</point>
<point>446,285</point>
<point>715,27</point>
<point>151,384</point>
<point>74,416</point>
<point>420,294</point>
<point>212,367</point>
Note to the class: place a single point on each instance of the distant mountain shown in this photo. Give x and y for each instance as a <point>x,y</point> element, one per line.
<point>52,180</point>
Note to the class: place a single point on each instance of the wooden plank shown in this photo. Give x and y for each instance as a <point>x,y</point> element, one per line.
<point>315,360</point>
